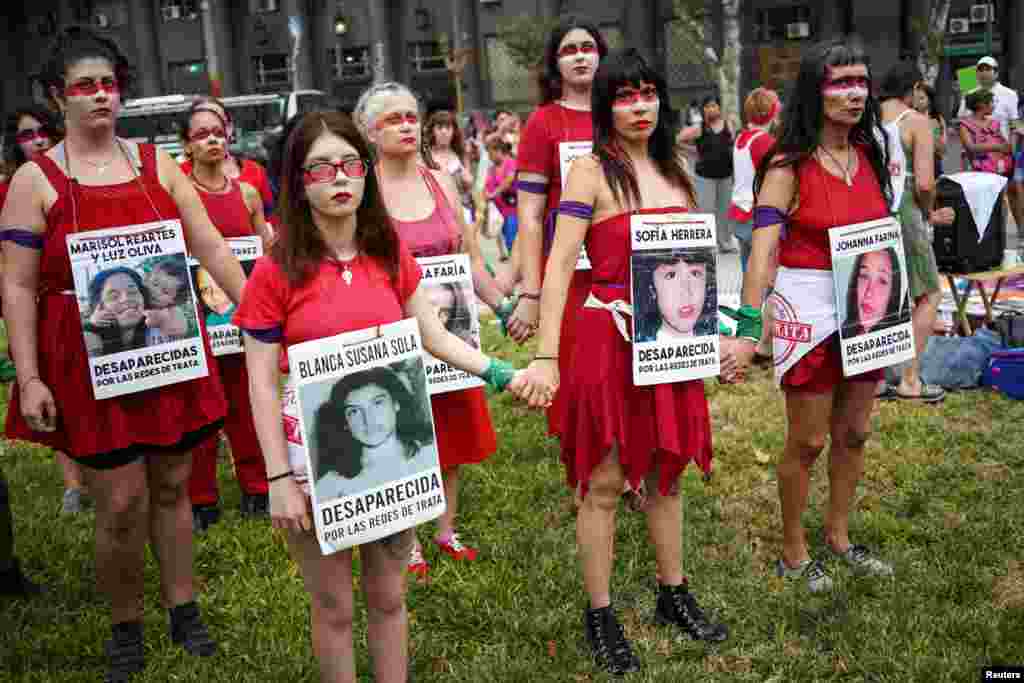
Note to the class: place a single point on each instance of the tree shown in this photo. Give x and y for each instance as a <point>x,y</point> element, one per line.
<point>525,37</point>
<point>729,68</point>
<point>931,33</point>
<point>691,44</point>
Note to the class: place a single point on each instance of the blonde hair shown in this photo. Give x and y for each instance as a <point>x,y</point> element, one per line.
<point>761,106</point>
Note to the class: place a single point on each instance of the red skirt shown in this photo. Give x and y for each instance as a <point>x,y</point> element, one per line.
<point>579,288</point>
<point>87,427</point>
<point>821,370</point>
<point>657,429</point>
<point>465,434</point>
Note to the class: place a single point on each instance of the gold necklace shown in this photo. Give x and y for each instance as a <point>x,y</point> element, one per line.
<point>847,177</point>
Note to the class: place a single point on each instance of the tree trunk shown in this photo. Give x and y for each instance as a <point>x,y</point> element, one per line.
<point>932,41</point>
<point>729,67</point>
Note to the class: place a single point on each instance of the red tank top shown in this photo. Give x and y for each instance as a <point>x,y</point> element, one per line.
<point>826,202</point>
<point>228,211</point>
<point>438,233</point>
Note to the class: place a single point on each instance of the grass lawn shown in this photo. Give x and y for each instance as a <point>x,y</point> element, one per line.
<point>942,497</point>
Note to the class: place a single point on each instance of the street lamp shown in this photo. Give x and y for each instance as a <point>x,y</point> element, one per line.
<point>340,25</point>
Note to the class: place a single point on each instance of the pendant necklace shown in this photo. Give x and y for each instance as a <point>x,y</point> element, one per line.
<point>847,178</point>
<point>346,268</point>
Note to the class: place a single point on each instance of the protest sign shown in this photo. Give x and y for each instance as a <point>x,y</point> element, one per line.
<point>215,307</point>
<point>137,307</point>
<point>568,152</point>
<point>673,268</point>
<point>448,283</point>
<point>366,423</point>
<point>871,283</point>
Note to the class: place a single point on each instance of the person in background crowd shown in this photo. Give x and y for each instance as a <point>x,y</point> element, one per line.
<point>573,53</point>
<point>761,112</point>
<point>423,206</point>
<point>236,209</point>
<point>27,132</point>
<point>828,169</point>
<point>135,447</point>
<point>714,142</point>
<point>444,150</point>
<point>499,190</point>
<point>912,173</point>
<point>924,103</point>
<point>986,149</point>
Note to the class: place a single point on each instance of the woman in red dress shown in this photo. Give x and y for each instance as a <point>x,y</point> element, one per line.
<point>828,169</point>
<point>236,209</point>
<point>134,448</point>
<point>558,130</point>
<point>615,433</point>
<point>424,207</point>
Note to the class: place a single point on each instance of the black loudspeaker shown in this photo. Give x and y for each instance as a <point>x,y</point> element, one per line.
<point>957,248</point>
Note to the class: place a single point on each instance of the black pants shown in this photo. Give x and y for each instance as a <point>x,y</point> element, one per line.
<point>6,527</point>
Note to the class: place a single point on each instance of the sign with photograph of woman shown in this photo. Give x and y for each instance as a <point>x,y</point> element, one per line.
<point>675,297</point>
<point>448,283</point>
<point>872,295</point>
<point>215,307</point>
<point>367,427</point>
<point>137,306</point>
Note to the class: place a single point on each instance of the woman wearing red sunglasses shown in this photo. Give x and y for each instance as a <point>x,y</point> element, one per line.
<point>236,209</point>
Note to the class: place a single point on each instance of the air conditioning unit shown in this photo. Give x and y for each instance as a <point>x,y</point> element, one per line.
<point>981,14</point>
<point>171,12</point>
<point>959,26</point>
<point>490,2</point>
<point>266,5</point>
<point>798,29</point>
<point>101,20</point>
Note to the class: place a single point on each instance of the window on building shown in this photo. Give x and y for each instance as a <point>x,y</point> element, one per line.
<point>177,10</point>
<point>510,81</point>
<point>110,14</point>
<point>188,77</point>
<point>349,62</point>
<point>271,70</point>
<point>783,23</point>
<point>264,6</point>
<point>426,56</point>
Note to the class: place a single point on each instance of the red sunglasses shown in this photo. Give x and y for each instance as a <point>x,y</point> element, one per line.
<point>89,87</point>
<point>327,171</point>
<point>572,50</point>
<point>30,134</point>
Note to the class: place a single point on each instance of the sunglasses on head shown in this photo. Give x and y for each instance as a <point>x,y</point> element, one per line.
<point>204,133</point>
<point>30,134</point>
<point>397,119</point>
<point>90,86</point>
<point>571,50</point>
<point>627,96</point>
<point>327,171</point>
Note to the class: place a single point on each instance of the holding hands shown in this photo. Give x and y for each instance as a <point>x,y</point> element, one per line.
<point>537,384</point>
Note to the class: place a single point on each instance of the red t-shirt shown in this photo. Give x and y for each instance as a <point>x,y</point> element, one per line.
<point>323,306</point>
<point>549,126</point>
<point>252,173</point>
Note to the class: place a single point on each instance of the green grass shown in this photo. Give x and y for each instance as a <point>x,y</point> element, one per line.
<point>941,497</point>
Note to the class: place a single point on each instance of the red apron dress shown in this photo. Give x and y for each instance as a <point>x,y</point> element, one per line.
<point>462,420</point>
<point>827,202</point>
<point>230,215</point>
<point>550,125</point>
<point>657,428</point>
<point>176,416</point>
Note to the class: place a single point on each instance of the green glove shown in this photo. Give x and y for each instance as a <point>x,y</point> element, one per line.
<point>498,374</point>
<point>748,321</point>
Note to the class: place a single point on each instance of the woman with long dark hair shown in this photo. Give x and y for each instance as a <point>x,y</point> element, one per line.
<point>338,266</point>
<point>925,103</point>
<point>558,129</point>
<point>236,209</point>
<point>617,434</point>
<point>874,296</point>
<point>829,168</point>
<point>135,447</point>
<point>423,205</point>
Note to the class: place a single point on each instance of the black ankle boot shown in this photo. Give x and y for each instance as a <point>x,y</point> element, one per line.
<point>677,606</point>
<point>189,631</point>
<point>608,644</point>
<point>14,583</point>
<point>125,654</point>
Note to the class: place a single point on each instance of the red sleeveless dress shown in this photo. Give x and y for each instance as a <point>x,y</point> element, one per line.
<point>658,428</point>
<point>176,416</point>
<point>230,215</point>
<point>465,434</point>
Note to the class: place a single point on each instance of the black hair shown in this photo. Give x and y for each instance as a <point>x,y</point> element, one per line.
<point>629,68</point>
<point>978,98</point>
<point>110,335</point>
<point>174,266</point>
<point>933,107</point>
<point>550,77</point>
<point>645,301</point>
<point>72,45</point>
<point>804,113</point>
<point>894,310</point>
<point>13,153</point>
<point>900,81</point>
<point>711,99</point>
<point>338,450</point>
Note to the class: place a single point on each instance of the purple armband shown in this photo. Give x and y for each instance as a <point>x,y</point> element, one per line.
<point>769,215</point>
<point>23,238</point>
<point>532,187</point>
<point>268,335</point>
<point>575,210</point>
